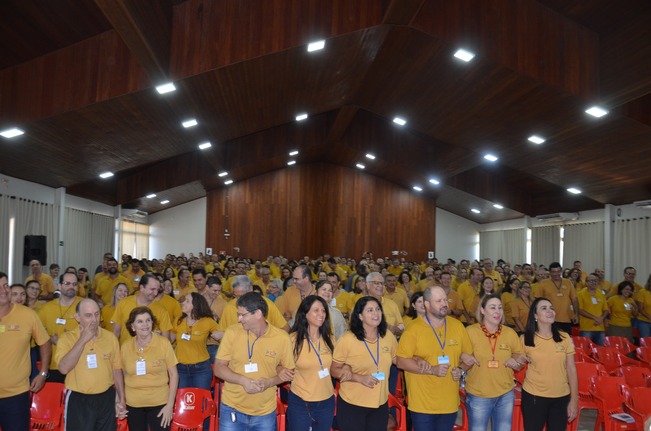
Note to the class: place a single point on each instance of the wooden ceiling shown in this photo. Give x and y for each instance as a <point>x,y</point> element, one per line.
<point>78,77</point>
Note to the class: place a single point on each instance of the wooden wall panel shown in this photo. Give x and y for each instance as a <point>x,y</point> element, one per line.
<point>319,208</point>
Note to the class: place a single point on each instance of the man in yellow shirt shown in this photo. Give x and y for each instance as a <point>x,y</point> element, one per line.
<point>428,280</point>
<point>489,271</point>
<point>593,310</point>
<point>399,296</point>
<point>629,275</point>
<point>105,285</point>
<point>265,279</point>
<point>604,285</point>
<point>561,293</point>
<point>288,303</point>
<point>46,282</point>
<point>134,274</point>
<point>467,292</point>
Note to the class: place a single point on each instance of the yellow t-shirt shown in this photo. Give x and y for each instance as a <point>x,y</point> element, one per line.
<point>399,296</point>
<point>488,382</point>
<point>507,302</point>
<point>595,305</point>
<point>644,303</point>
<point>127,304</point>
<point>547,371</point>
<point>349,350</point>
<point>342,302</point>
<point>46,282</point>
<point>561,298</point>
<point>106,315</point>
<point>467,295</point>
<point>16,330</point>
<point>520,310</point>
<point>105,351</point>
<point>57,320</point>
<point>621,312</point>
<point>229,316</point>
<point>427,393</point>
<point>307,384</point>
<point>172,306</point>
<point>151,388</point>
<point>290,300</point>
<point>273,348</point>
<point>105,287</point>
<point>194,350</point>
<point>391,312</point>
<point>454,303</point>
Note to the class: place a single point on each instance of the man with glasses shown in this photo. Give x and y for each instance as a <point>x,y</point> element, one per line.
<point>254,357</point>
<point>629,275</point>
<point>58,316</point>
<point>288,303</point>
<point>593,310</point>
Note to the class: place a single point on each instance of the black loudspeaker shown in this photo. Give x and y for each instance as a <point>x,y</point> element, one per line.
<point>35,249</point>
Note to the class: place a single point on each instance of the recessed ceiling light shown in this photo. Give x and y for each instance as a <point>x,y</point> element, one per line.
<point>434,181</point>
<point>536,139</point>
<point>475,210</point>
<point>464,55</point>
<point>418,189</point>
<point>498,206</point>
<point>490,158</point>
<point>291,162</point>
<point>360,166</point>
<point>301,117</point>
<point>596,111</point>
<point>370,156</point>
<point>11,133</point>
<point>151,196</point>
<point>166,88</point>
<point>315,46</point>
<point>205,145</point>
<point>189,123</point>
<point>574,190</point>
<point>293,153</point>
<point>228,182</point>
<point>400,121</point>
<point>106,175</point>
<point>222,174</point>
<point>165,202</point>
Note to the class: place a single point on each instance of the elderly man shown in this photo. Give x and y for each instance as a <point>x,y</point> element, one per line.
<point>46,282</point>
<point>288,303</point>
<point>593,310</point>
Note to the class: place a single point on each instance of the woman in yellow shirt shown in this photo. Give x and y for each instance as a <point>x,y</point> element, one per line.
<point>311,403</point>
<point>416,309</point>
<point>520,307</point>
<point>120,291</point>
<point>622,310</point>
<point>150,376</point>
<point>644,310</point>
<point>407,283</point>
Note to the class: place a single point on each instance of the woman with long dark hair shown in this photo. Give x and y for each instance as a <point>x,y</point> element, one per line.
<point>311,403</point>
<point>550,389</point>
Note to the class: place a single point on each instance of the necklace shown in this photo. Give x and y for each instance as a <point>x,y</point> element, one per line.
<point>491,335</point>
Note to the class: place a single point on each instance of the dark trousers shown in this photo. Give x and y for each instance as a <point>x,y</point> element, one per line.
<point>91,412</point>
<point>142,418</point>
<point>355,418</point>
<point>540,411</point>
<point>14,412</point>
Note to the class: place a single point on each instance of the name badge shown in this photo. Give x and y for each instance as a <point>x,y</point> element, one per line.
<point>185,337</point>
<point>60,321</point>
<point>379,375</point>
<point>91,360</point>
<point>444,360</point>
<point>594,301</point>
<point>627,306</point>
<point>141,368</point>
<point>251,368</point>
<point>559,294</point>
<point>324,373</point>
<point>493,364</point>
<point>333,302</point>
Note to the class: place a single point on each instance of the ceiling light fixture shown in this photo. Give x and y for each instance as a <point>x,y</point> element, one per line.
<point>418,189</point>
<point>536,139</point>
<point>315,46</point>
<point>106,175</point>
<point>434,181</point>
<point>165,202</point>
<point>293,153</point>
<point>166,88</point>
<point>490,158</point>
<point>11,133</point>
<point>205,145</point>
<point>475,210</point>
<point>370,156</point>
<point>574,190</point>
<point>360,166</point>
<point>222,174</point>
<point>151,196</point>
<point>291,162</point>
<point>464,55</point>
<point>189,123</point>
<point>228,182</point>
<point>301,117</point>
<point>596,111</point>
<point>498,206</point>
<point>400,121</point>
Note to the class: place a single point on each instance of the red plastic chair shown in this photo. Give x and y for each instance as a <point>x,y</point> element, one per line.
<point>583,343</point>
<point>643,354</point>
<point>637,404</point>
<point>400,391</point>
<point>123,425</point>
<point>464,413</point>
<point>281,415</point>
<point>582,356</point>
<point>47,407</point>
<point>609,395</point>
<point>586,371</point>
<point>635,377</point>
<point>401,413</point>
<point>645,342</point>
<point>612,358</point>
<point>192,407</point>
<point>576,331</point>
<point>620,343</point>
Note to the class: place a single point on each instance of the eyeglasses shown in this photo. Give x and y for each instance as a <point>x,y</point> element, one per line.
<point>70,283</point>
<point>377,283</point>
<point>240,315</point>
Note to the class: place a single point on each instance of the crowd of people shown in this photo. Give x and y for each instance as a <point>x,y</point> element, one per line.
<point>125,337</point>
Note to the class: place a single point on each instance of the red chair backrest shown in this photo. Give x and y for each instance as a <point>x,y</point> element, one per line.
<point>609,390</point>
<point>192,407</point>
<point>639,400</point>
<point>607,356</point>
<point>620,343</point>
<point>585,372</point>
<point>645,342</point>
<point>635,376</point>
<point>520,374</point>
<point>582,343</point>
<point>47,406</point>
<point>644,354</point>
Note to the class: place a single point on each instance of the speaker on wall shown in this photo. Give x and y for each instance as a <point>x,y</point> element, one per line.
<point>35,249</point>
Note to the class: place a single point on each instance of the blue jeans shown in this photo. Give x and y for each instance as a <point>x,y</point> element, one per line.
<point>212,351</point>
<point>429,422</point>
<point>644,328</point>
<point>244,422</point>
<point>195,375</point>
<point>301,415</point>
<point>498,410</point>
<point>597,337</point>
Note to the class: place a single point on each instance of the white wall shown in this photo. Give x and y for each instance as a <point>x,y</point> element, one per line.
<point>456,237</point>
<point>181,229</point>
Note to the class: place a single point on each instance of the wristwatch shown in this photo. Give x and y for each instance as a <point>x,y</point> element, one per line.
<point>44,374</point>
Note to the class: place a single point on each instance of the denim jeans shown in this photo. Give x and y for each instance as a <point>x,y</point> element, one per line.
<point>597,337</point>
<point>429,422</point>
<point>301,415</point>
<point>197,375</point>
<point>644,328</point>
<point>244,422</point>
<point>498,410</point>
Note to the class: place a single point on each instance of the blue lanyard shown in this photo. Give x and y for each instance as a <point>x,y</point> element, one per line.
<point>316,351</point>
<point>445,333</point>
<point>301,294</point>
<point>376,362</point>
<point>249,347</point>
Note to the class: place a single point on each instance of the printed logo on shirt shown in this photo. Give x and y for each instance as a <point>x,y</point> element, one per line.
<point>13,327</point>
<point>271,353</point>
<point>385,349</point>
<point>453,342</point>
<point>106,356</point>
<point>504,347</point>
<point>157,363</point>
<point>560,349</point>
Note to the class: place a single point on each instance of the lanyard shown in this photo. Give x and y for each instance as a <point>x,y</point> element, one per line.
<point>375,361</point>
<point>316,351</point>
<point>249,347</point>
<point>445,333</point>
<point>301,294</point>
<point>492,338</point>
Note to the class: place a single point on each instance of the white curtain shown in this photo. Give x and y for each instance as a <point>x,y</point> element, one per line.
<point>545,244</point>
<point>503,244</point>
<point>4,233</point>
<point>632,247</point>
<point>584,242</point>
<point>135,239</point>
<point>87,237</point>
